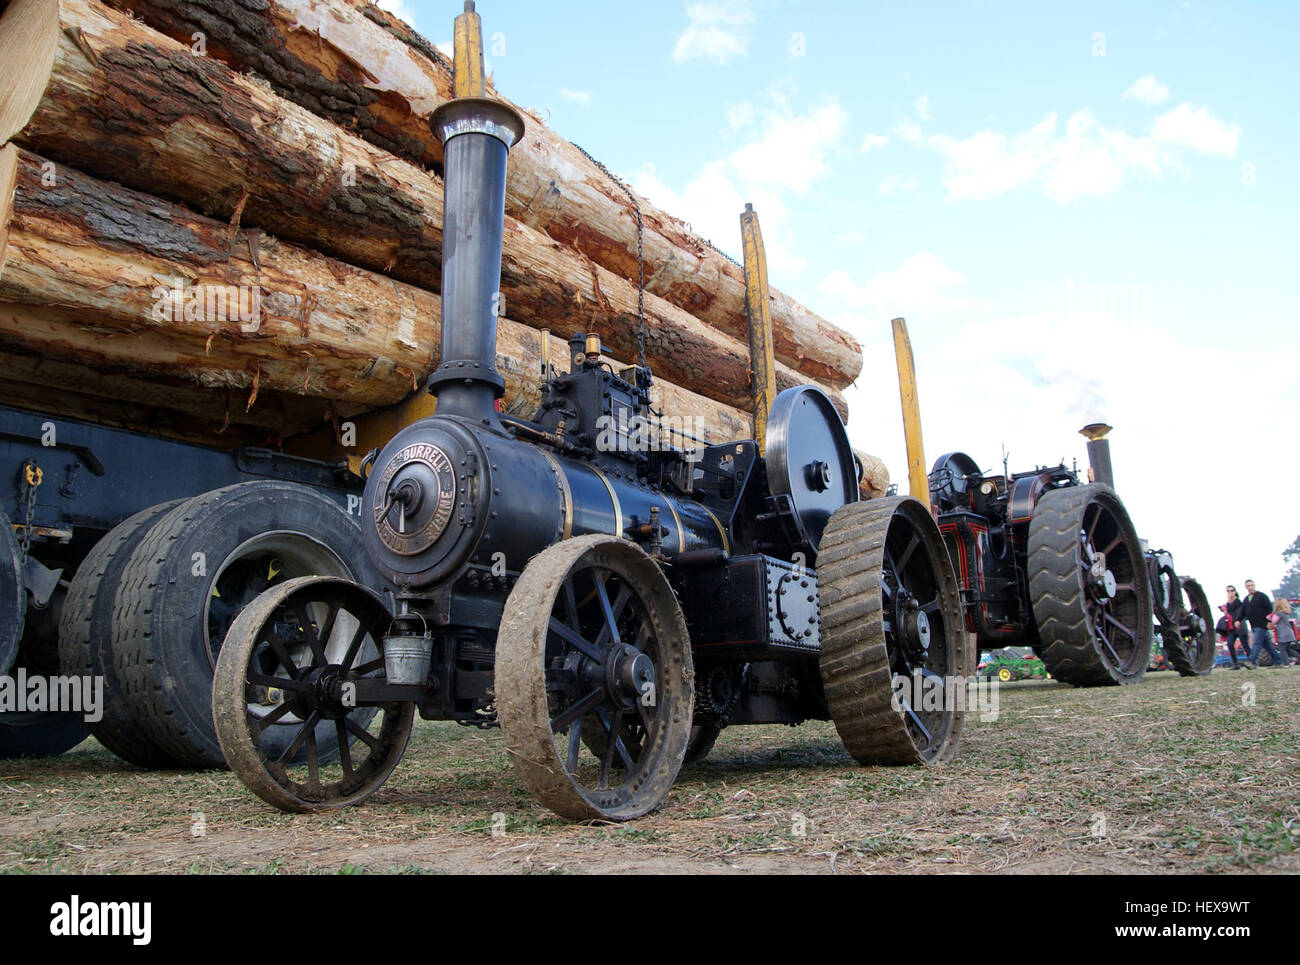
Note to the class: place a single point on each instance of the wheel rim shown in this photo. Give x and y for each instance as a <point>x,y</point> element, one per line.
<point>1004,674</point>
<point>917,637</point>
<point>1198,627</point>
<point>1112,591</point>
<point>281,687</point>
<point>593,680</point>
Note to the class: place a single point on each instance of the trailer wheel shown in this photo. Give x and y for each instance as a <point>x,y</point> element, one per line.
<point>13,596</point>
<point>186,582</point>
<point>893,640</point>
<point>1089,588</point>
<point>86,627</point>
<point>39,733</point>
<point>593,637</point>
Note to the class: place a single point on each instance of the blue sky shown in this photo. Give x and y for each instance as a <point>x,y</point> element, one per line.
<point>1085,211</point>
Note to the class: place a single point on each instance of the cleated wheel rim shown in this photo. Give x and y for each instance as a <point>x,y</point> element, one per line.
<point>280,693</point>
<point>594,680</point>
<point>1196,630</point>
<point>1089,588</point>
<point>893,639</point>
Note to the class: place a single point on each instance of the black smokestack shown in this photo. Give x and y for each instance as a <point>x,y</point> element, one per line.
<point>1099,453</point>
<point>477,134</point>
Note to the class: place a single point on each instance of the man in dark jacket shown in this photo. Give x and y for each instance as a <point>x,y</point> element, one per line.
<point>1236,629</point>
<point>1255,608</point>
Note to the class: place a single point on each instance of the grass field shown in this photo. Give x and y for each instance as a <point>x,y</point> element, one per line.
<point>1172,775</point>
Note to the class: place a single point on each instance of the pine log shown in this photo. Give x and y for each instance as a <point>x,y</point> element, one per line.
<point>129,104</point>
<point>105,258</point>
<point>353,63</point>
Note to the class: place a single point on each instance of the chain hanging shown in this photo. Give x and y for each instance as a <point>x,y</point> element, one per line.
<point>640,263</point>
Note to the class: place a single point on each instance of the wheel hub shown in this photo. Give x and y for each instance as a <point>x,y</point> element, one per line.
<point>627,672</point>
<point>325,697</point>
<point>1102,579</point>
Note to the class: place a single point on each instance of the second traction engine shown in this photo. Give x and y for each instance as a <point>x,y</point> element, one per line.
<point>609,601</point>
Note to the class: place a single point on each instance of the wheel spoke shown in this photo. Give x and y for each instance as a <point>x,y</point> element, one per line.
<point>265,721</point>
<point>370,739</point>
<point>1123,627</point>
<point>308,727</point>
<point>368,667</point>
<point>282,683</point>
<point>575,710</point>
<point>281,652</point>
<point>611,624</point>
<point>308,631</point>
<point>574,639</point>
<point>575,745</point>
<point>916,719</point>
<point>907,554</point>
<point>345,748</point>
<point>354,646</point>
<point>313,762</point>
<point>611,746</point>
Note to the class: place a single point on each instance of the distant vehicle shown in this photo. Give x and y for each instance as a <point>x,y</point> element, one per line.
<point>1012,663</point>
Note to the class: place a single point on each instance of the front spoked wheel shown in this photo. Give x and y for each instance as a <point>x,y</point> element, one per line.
<point>594,681</point>
<point>285,688</point>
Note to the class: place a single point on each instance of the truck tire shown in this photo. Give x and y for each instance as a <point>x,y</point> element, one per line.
<point>13,596</point>
<point>195,569</point>
<point>86,627</point>
<point>1093,610</point>
<point>39,733</point>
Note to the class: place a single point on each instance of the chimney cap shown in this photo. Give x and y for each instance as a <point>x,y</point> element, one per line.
<point>1094,431</point>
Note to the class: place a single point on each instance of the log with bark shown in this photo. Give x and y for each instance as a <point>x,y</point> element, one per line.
<point>362,67</point>
<point>111,95</point>
<point>130,282</point>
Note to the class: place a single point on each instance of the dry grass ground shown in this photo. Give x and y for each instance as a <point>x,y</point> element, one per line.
<point>1172,775</point>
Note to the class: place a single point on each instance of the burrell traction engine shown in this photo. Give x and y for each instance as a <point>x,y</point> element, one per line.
<point>1048,562</point>
<point>609,602</point>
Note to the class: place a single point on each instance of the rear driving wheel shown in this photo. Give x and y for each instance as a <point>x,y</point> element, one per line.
<point>893,641</point>
<point>1089,589</point>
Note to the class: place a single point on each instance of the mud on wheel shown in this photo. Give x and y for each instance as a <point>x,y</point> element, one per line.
<point>287,686</point>
<point>594,682</point>
<point>1194,633</point>
<point>1089,588</point>
<point>892,631</point>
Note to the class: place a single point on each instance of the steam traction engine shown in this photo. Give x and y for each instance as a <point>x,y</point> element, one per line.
<point>607,603</point>
<point>1049,561</point>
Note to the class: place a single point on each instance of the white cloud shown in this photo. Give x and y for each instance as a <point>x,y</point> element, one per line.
<point>923,107</point>
<point>872,141</point>
<point>908,130</point>
<point>920,286</point>
<point>1147,90</point>
<point>397,8</point>
<point>716,30</point>
<point>1198,130</point>
<point>789,154</point>
<point>580,97</point>
<point>1096,352</point>
<point>1085,159</point>
<point>896,184</point>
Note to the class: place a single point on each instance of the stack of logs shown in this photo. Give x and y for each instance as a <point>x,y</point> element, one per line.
<point>221,220</point>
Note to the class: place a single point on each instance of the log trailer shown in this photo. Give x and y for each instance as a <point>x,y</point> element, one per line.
<point>605,599</point>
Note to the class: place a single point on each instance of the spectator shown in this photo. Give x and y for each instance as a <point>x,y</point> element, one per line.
<point>1256,608</point>
<point>1236,628</point>
<point>1284,626</point>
